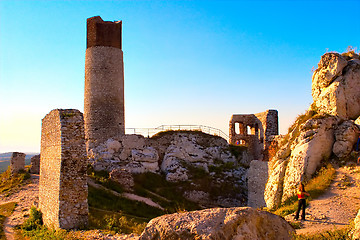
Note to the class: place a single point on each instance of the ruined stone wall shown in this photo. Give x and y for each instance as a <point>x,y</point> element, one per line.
<point>254,131</point>
<point>253,139</point>
<point>17,162</point>
<point>104,82</point>
<point>257,176</point>
<point>270,122</point>
<point>63,188</point>
<point>35,164</point>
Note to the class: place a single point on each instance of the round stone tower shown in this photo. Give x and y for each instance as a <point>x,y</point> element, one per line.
<point>104,82</point>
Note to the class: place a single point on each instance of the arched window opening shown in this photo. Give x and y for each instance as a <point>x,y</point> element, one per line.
<point>237,128</point>
<point>248,130</point>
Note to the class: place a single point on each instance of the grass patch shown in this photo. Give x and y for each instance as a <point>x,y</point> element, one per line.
<point>102,177</point>
<point>170,194</point>
<point>42,232</point>
<point>117,222</point>
<point>5,211</point>
<point>170,132</point>
<point>102,199</point>
<point>9,183</point>
<point>318,185</point>
<point>114,222</point>
<point>315,187</point>
<point>237,150</point>
<point>328,235</point>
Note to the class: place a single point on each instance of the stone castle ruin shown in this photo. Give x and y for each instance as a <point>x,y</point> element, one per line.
<point>70,141</point>
<point>104,82</point>
<point>254,131</point>
<point>63,188</point>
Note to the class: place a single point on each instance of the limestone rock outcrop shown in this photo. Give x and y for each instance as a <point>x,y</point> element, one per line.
<point>299,158</point>
<point>218,178</point>
<point>185,150</point>
<point>346,135</point>
<point>218,223</point>
<point>122,177</point>
<point>328,127</point>
<point>336,85</point>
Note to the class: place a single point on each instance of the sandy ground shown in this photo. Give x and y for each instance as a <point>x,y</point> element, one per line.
<point>337,207</point>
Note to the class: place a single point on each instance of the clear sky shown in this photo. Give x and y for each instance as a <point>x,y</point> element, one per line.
<point>186,62</point>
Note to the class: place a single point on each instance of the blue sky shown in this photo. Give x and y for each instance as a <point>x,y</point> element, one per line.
<point>186,62</point>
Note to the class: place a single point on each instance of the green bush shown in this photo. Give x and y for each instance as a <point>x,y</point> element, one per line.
<point>34,221</point>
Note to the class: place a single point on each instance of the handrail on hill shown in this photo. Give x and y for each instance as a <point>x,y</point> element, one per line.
<point>148,132</point>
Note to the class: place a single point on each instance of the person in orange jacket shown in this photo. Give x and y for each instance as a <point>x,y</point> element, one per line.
<point>302,202</point>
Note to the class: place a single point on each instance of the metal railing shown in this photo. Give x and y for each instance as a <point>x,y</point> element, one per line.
<point>148,132</point>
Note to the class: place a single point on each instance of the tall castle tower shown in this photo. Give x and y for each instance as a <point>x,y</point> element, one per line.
<point>104,82</point>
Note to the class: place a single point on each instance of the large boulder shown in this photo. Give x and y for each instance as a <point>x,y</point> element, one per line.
<point>346,135</point>
<point>218,224</point>
<point>336,86</point>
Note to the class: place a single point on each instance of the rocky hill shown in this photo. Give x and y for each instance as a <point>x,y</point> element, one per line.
<point>206,168</point>
<point>329,129</point>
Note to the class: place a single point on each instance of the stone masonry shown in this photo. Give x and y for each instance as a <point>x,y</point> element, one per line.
<point>104,82</point>
<point>17,162</point>
<point>254,131</point>
<point>35,164</point>
<point>63,188</point>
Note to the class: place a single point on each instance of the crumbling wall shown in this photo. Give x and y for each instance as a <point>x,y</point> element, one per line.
<point>104,82</point>
<point>254,131</point>
<point>35,164</point>
<point>63,188</point>
<point>17,162</point>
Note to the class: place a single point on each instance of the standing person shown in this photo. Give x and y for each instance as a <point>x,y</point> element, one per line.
<point>302,202</point>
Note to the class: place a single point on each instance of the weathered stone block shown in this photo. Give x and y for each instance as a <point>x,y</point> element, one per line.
<point>35,164</point>
<point>17,162</point>
<point>63,187</point>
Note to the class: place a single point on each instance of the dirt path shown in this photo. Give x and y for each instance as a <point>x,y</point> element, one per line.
<point>337,207</point>
<point>26,197</point>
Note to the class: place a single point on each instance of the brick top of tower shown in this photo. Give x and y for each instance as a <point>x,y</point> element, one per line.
<point>103,33</point>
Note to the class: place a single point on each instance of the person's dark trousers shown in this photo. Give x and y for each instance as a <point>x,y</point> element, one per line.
<point>301,204</point>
